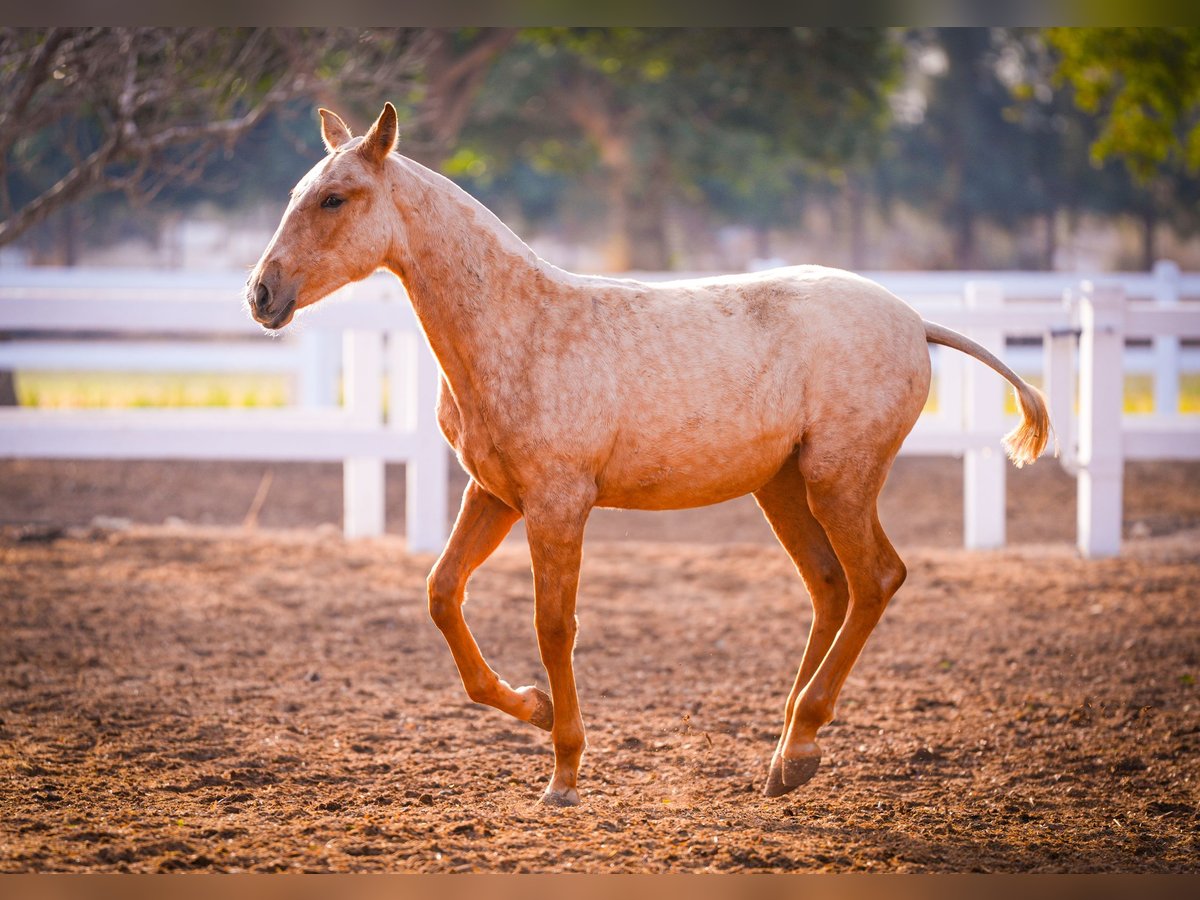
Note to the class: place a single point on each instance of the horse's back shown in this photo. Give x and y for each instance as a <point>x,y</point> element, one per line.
<point>723,378</point>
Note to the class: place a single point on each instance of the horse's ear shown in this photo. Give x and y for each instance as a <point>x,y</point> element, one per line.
<point>333,130</point>
<point>381,139</point>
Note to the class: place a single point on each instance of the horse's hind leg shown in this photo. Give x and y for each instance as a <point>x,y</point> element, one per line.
<point>784,501</point>
<point>482,523</point>
<point>843,501</point>
<point>555,527</point>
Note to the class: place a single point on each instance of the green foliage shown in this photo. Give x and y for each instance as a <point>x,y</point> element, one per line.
<point>1144,84</point>
<point>1002,140</point>
<point>738,118</point>
<point>580,126</point>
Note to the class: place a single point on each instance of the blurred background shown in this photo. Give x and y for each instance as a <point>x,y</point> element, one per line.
<point>154,164</point>
<point>623,149</point>
<point>196,673</point>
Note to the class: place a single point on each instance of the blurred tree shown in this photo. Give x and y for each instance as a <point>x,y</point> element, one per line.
<point>960,160</point>
<point>731,114</point>
<point>1052,147</point>
<point>86,110</point>
<point>1000,140</point>
<point>813,127</point>
<point>456,63</point>
<point>1143,85</point>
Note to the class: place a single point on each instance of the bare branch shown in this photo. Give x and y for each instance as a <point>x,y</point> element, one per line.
<point>88,110</point>
<point>34,73</point>
<point>479,56</point>
<point>80,179</point>
<point>453,81</point>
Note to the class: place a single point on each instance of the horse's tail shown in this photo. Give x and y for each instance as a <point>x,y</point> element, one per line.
<point>1026,442</point>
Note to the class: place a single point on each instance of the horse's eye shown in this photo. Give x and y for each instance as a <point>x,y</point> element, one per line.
<point>333,201</point>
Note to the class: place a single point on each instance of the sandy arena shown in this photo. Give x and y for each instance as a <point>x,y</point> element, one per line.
<point>180,693</point>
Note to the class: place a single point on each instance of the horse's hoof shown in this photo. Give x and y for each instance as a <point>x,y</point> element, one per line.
<point>775,786</point>
<point>799,771</point>
<point>788,774</point>
<point>569,797</point>
<point>543,713</point>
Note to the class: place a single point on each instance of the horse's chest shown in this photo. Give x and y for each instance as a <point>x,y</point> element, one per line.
<point>467,433</point>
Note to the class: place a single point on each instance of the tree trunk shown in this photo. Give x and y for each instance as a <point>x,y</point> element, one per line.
<point>647,237</point>
<point>453,78</point>
<point>964,238</point>
<point>762,241</point>
<point>8,383</point>
<point>1072,233</point>
<point>637,202</point>
<point>1149,237</point>
<point>637,194</point>
<point>963,47</point>
<point>68,252</point>
<point>8,387</point>
<point>69,237</point>
<point>856,225</point>
<point>1050,247</point>
<point>647,222</point>
<point>619,175</point>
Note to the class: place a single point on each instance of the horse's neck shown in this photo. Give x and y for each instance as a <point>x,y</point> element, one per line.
<point>474,285</point>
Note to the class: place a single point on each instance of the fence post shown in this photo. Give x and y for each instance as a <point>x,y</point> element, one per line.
<point>427,475</point>
<point>1166,346</point>
<point>984,468</point>
<point>1101,399</point>
<point>320,367</point>
<point>950,369</point>
<point>363,495</point>
<point>413,389</point>
<point>1058,362</point>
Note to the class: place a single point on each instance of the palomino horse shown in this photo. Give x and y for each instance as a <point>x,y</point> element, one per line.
<point>563,392</point>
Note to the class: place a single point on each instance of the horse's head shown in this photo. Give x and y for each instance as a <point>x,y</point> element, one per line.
<point>335,229</point>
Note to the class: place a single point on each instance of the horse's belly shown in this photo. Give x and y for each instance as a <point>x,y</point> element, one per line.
<point>685,475</point>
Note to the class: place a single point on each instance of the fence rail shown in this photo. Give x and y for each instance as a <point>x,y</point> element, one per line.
<point>368,337</point>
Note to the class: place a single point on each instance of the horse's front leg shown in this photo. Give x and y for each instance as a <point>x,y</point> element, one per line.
<point>555,532</point>
<point>482,523</point>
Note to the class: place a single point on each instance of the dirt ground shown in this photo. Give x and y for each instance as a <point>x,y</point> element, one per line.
<point>178,693</point>
<point>921,503</point>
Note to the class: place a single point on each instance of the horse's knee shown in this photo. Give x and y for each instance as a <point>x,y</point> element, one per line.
<point>444,597</point>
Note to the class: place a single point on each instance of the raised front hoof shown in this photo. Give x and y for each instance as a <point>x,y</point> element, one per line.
<point>568,797</point>
<point>788,774</point>
<point>543,712</point>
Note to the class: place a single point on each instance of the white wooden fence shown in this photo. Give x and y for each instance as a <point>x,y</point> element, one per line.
<point>366,335</point>
<point>370,335</point>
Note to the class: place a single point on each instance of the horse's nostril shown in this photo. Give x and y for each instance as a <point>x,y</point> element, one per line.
<point>262,297</point>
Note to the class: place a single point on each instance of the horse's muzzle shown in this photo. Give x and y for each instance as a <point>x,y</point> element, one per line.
<point>262,299</point>
<point>268,309</point>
